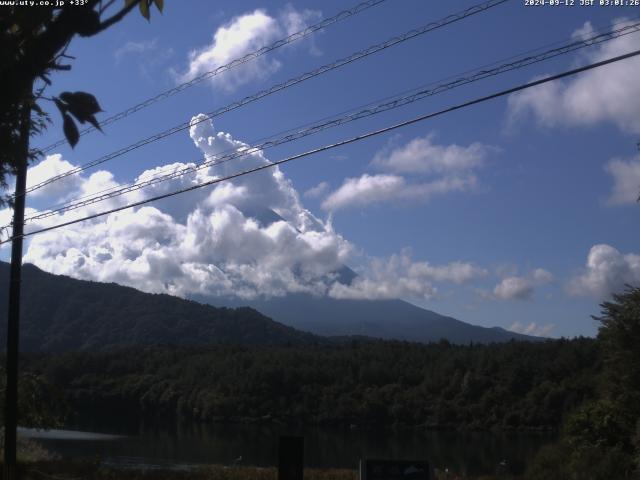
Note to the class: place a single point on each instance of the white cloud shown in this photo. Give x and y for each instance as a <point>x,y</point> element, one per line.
<point>242,35</point>
<point>532,328</point>
<point>247,237</point>
<point>607,271</point>
<point>435,170</point>
<point>604,94</point>
<point>51,166</point>
<point>422,155</point>
<point>135,48</point>
<point>584,32</point>
<point>317,191</point>
<point>521,287</point>
<point>626,180</point>
<point>370,189</point>
<point>400,277</point>
<point>364,190</point>
<point>456,272</point>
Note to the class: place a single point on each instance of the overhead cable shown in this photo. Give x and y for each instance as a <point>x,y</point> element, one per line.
<point>341,143</point>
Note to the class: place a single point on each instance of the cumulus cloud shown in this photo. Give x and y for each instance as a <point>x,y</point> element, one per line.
<point>422,155</point>
<point>246,238</point>
<point>242,35</point>
<point>532,328</point>
<point>364,190</point>
<point>607,271</point>
<point>434,169</point>
<point>626,180</point>
<point>521,287</point>
<point>601,95</point>
<point>51,166</point>
<point>371,189</point>
<point>400,277</point>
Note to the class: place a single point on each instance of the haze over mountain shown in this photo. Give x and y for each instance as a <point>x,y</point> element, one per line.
<point>60,313</point>
<point>387,319</point>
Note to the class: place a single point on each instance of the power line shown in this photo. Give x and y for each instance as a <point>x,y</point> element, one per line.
<point>337,121</point>
<point>452,18</point>
<point>341,143</point>
<point>344,14</point>
<point>627,28</point>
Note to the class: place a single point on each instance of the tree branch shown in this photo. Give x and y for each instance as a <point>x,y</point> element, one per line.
<point>117,17</point>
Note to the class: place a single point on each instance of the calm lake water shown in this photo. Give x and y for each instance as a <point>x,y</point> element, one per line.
<point>188,444</point>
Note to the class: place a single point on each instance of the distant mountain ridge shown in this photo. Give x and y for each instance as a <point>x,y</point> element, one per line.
<point>59,313</point>
<point>386,319</point>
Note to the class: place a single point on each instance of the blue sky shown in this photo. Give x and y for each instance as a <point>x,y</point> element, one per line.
<point>518,213</point>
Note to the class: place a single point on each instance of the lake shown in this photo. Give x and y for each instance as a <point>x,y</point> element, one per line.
<point>185,444</point>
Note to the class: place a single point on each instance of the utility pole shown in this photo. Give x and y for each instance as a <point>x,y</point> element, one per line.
<point>13,323</point>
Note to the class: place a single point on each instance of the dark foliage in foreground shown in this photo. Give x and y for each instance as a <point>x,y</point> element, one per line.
<point>601,439</point>
<point>507,386</point>
<point>60,313</point>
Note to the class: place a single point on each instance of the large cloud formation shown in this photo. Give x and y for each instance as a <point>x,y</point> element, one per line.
<point>607,271</point>
<point>246,238</point>
<point>606,94</point>
<point>242,35</point>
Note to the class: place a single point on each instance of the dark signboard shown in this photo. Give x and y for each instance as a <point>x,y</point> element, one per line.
<point>291,458</point>
<point>394,470</point>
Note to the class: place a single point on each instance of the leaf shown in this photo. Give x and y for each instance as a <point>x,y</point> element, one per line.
<point>89,23</point>
<point>144,9</point>
<point>61,106</point>
<point>88,102</point>
<point>70,130</point>
<point>159,4</point>
<point>92,120</point>
<point>36,108</point>
<point>81,105</point>
<point>128,2</point>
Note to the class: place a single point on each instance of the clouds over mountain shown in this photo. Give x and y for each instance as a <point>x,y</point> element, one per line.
<point>400,277</point>
<point>601,95</point>
<point>246,238</point>
<point>240,36</point>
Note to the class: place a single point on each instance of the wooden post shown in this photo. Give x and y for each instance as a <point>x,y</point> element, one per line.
<point>13,319</point>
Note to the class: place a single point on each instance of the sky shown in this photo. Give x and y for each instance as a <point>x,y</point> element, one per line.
<point>519,213</point>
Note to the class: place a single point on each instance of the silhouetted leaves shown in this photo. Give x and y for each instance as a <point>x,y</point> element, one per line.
<point>33,41</point>
<point>89,23</point>
<point>70,130</point>
<point>144,9</point>
<point>83,106</point>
